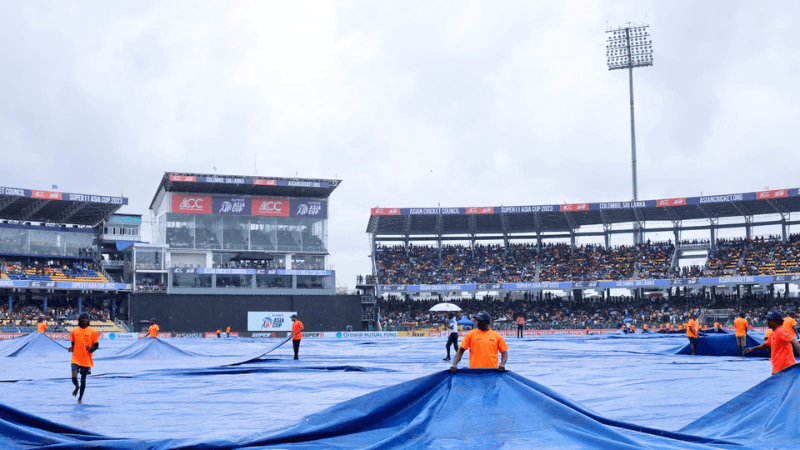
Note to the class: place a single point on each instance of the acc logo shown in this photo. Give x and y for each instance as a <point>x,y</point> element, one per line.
<point>271,206</point>
<point>339,334</point>
<point>192,203</point>
<point>112,335</point>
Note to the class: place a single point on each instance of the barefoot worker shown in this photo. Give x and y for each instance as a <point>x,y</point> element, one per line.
<point>483,345</point>
<point>84,343</point>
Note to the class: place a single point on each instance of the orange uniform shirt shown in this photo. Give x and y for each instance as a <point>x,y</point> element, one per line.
<point>767,334</point>
<point>296,327</point>
<point>781,351</point>
<point>228,330</point>
<point>692,328</point>
<point>82,338</point>
<point>483,347</point>
<point>41,327</point>
<point>741,326</point>
<point>153,330</point>
<point>789,323</point>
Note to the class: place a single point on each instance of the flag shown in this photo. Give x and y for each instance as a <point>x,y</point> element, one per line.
<point>54,187</point>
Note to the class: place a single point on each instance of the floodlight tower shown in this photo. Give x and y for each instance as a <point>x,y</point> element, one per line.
<point>629,47</point>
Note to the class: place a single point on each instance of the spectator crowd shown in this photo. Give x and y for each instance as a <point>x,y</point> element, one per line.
<point>554,312</point>
<point>524,262</point>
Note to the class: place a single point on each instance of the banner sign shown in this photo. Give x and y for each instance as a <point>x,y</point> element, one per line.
<point>309,207</point>
<point>209,271</point>
<point>191,204</point>
<point>231,206</point>
<point>53,195</point>
<point>246,206</point>
<point>271,207</point>
<point>248,181</point>
<point>577,207</point>
<point>267,321</point>
<point>624,284</point>
<point>120,336</point>
<point>37,284</point>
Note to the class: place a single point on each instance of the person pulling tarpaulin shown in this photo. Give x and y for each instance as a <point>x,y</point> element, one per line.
<point>781,343</point>
<point>693,331</point>
<point>483,344</point>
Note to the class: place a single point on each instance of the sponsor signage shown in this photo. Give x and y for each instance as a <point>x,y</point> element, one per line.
<point>671,202</point>
<point>160,335</point>
<point>209,271</point>
<point>192,204</point>
<point>121,336</point>
<point>189,335</point>
<point>54,195</point>
<point>69,285</point>
<point>264,182</point>
<point>265,335</point>
<point>214,179</point>
<point>572,207</point>
<point>58,336</point>
<point>269,320</point>
<point>183,178</point>
<point>272,207</point>
<point>385,211</point>
<point>231,206</point>
<point>560,285</point>
<point>309,207</point>
<point>479,210</point>
<point>363,334</point>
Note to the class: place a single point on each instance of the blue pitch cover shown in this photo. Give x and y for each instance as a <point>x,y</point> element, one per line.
<point>479,408</point>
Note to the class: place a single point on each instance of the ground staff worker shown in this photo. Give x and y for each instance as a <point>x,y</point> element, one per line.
<point>84,343</point>
<point>297,335</point>
<point>781,343</point>
<point>693,332</point>
<point>740,325</point>
<point>483,344</point>
<point>154,329</point>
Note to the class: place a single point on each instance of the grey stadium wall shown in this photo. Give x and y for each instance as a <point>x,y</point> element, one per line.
<point>205,313</point>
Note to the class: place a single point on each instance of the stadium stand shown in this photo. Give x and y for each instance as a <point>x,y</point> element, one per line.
<point>50,270</point>
<point>554,312</point>
<point>424,264</point>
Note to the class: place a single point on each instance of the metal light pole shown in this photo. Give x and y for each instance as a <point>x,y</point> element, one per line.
<point>629,47</point>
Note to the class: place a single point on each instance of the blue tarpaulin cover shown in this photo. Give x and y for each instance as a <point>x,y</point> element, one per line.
<point>32,345</point>
<point>443,411</point>
<point>721,344</point>
<point>590,392</point>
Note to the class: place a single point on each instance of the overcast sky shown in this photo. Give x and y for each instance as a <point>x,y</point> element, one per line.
<point>410,104</point>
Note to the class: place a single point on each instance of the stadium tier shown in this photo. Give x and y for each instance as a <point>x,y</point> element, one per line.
<point>417,264</point>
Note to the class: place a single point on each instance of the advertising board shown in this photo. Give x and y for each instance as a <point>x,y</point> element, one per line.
<point>264,321</point>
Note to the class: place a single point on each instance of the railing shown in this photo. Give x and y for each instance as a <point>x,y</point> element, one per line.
<point>693,246</point>
<point>113,263</point>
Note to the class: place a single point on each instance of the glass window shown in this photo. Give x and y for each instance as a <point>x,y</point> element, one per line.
<point>208,232</point>
<point>148,259</point>
<point>313,282</point>
<point>234,281</point>
<point>274,281</point>
<point>308,262</point>
<point>191,280</point>
<point>180,230</point>
<point>13,240</point>
<point>262,234</point>
<point>235,232</point>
